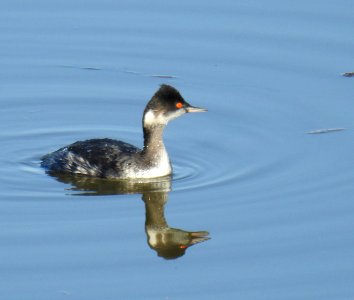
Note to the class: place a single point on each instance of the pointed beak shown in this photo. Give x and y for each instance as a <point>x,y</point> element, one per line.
<point>199,236</point>
<point>193,109</point>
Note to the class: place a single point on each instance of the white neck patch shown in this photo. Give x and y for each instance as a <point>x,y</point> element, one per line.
<point>151,119</point>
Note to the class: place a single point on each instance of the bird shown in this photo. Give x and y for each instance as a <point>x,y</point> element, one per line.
<point>115,159</point>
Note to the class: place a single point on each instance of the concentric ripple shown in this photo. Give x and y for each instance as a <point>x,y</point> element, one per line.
<point>192,170</point>
<point>197,163</point>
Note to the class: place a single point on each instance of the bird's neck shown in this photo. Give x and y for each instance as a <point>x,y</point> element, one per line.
<point>154,148</point>
<point>153,137</point>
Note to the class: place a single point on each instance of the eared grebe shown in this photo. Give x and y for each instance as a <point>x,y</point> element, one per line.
<point>107,158</point>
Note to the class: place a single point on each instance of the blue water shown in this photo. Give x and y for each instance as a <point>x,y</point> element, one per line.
<point>276,199</point>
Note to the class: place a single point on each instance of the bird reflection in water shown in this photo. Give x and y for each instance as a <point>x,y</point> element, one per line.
<point>169,243</point>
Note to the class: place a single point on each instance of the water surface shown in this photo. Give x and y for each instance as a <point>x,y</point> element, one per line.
<point>276,201</point>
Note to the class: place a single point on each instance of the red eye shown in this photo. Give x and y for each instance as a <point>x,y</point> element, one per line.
<point>179,104</point>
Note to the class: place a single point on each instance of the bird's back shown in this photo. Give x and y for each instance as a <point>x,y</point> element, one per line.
<point>95,157</point>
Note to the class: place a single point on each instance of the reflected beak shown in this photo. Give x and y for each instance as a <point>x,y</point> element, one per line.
<point>193,109</point>
<point>199,236</point>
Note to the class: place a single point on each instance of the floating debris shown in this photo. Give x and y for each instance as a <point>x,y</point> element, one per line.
<point>90,68</point>
<point>80,67</point>
<point>164,76</point>
<point>326,130</point>
<point>132,72</point>
<point>348,74</point>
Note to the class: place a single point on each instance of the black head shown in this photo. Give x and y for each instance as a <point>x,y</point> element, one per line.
<point>165,105</point>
